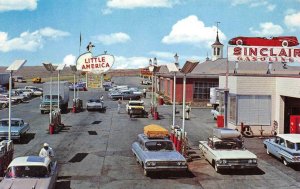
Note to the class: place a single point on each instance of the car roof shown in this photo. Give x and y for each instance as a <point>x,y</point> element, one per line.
<point>5,119</point>
<point>30,161</point>
<point>295,138</point>
<point>136,101</point>
<point>146,139</point>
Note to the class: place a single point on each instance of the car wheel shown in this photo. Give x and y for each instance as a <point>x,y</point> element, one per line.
<point>285,43</point>
<point>19,101</point>
<point>3,106</point>
<point>268,151</point>
<point>239,42</point>
<point>286,163</point>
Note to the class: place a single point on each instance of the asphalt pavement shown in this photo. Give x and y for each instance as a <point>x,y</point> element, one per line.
<point>94,149</point>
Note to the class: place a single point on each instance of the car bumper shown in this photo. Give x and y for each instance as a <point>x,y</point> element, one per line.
<point>237,166</point>
<point>167,168</point>
<point>94,107</point>
<point>13,137</point>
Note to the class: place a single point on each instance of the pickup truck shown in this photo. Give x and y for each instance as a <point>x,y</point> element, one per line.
<point>125,95</point>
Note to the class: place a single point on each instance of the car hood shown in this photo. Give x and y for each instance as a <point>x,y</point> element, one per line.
<point>25,183</point>
<point>164,156</point>
<point>93,104</point>
<point>234,154</point>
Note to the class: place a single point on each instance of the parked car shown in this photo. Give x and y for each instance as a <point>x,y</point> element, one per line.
<point>5,98</point>
<point>18,128</point>
<point>78,87</point>
<point>146,82</point>
<point>19,79</point>
<point>36,91</point>
<point>30,172</point>
<point>95,104</point>
<point>155,152</point>
<point>125,95</point>
<point>14,96</point>
<point>136,107</point>
<point>226,150</point>
<point>36,80</point>
<point>27,93</point>
<point>284,41</point>
<point>285,147</point>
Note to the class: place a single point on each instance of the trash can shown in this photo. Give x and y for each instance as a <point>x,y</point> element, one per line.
<point>160,101</point>
<point>51,129</point>
<point>220,121</point>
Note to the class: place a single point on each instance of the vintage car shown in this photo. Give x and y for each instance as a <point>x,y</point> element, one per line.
<point>225,150</point>
<point>136,107</point>
<point>30,172</point>
<point>125,95</point>
<point>155,152</point>
<point>286,147</point>
<point>95,104</point>
<point>78,87</point>
<point>284,41</point>
<point>146,82</point>
<point>18,128</point>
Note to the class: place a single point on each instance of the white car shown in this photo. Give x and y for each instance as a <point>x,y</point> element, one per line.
<point>5,98</point>
<point>226,150</point>
<point>30,172</point>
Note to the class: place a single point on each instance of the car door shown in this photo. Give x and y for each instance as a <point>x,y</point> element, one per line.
<point>278,145</point>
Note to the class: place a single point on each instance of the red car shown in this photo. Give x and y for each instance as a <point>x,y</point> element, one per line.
<point>284,41</point>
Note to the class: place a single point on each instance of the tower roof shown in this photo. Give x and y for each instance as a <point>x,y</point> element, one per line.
<point>217,42</point>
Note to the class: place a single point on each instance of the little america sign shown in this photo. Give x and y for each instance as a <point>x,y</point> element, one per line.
<point>95,64</point>
<point>263,54</point>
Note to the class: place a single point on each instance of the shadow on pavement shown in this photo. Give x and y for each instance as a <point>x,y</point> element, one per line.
<point>171,175</point>
<point>25,139</point>
<point>256,171</point>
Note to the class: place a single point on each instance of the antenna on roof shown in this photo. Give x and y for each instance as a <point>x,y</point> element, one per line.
<point>218,26</point>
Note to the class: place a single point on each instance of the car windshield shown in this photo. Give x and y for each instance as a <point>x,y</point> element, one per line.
<point>297,146</point>
<point>54,97</point>
<point>13,123</point>
<point>159,145</point>
<point>227,145</point>
<point>27,171</point>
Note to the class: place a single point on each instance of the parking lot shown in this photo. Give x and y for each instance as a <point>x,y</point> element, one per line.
<point>94,149</point>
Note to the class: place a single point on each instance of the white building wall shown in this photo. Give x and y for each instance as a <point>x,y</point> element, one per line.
<point>277,87</point>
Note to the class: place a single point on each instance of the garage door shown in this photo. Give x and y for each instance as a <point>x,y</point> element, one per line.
<point>254,109</point>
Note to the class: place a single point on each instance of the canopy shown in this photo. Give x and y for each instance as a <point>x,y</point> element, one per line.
<point>155,131</point>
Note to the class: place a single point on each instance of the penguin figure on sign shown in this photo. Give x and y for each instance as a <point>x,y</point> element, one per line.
<point>90,47</point>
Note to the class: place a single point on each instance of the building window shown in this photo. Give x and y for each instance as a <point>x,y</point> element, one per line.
<point>162,89</point>
<point>218,51</point>
<point>202,90</point>
<point>254,110</point>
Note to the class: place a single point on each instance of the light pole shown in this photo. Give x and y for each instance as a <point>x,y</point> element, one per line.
<point>183,103</point>
<point>155,83</point>
<point>174,69</point>
<point>59,68</point>
<point>74,70</point>
<point>15,66</point>
<point>49,67</point>
<point>151,67</point>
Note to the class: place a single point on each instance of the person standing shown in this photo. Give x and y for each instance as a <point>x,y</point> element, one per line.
<point>46,151</point>
<point>119,105</point>
<point>145,92</point>
<point>187,110</point>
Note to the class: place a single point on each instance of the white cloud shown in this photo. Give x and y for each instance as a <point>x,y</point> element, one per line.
<point>69,59</point>
<point>254,3</point>
<point>29,41</point>
<point>10,5</point>
<point>191,30</point>
<point>159,54</point>
<point>131,4</point>
<point>122,62</point>
<point>106,11</point>
<point>112,38</point>
<point>292,21</point>
<point>267,29</point>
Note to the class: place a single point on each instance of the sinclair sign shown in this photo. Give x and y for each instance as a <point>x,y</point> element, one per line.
<point>263,54</point>
<point>94,64</point>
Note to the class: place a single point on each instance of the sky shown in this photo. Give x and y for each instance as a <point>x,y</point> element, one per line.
<point>135,31</point>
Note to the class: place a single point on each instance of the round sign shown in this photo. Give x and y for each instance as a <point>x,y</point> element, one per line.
<point>94,64</point>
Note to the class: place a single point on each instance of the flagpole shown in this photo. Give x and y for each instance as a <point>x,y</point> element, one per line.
<point>79,44</point>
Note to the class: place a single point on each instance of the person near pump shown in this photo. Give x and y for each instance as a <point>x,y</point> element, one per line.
<point>145,92</point>
<point>187,110</point>
<point>119,105</point>
<point>47,151</point>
